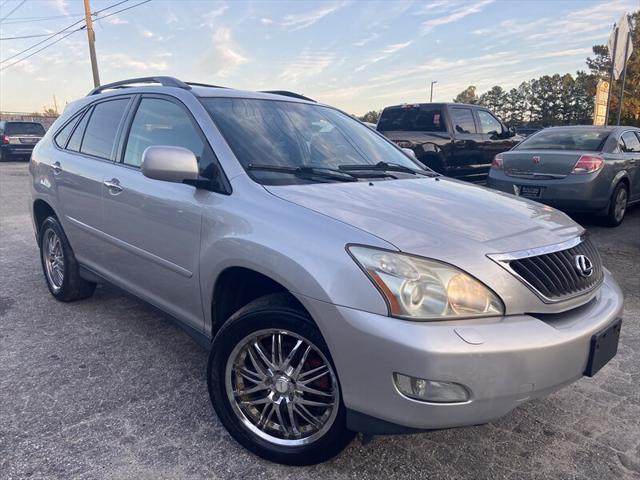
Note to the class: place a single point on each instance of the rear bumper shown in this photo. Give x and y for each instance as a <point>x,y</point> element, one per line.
<point>521,357</point>
<point>17,149</point>
<point>574,193</point>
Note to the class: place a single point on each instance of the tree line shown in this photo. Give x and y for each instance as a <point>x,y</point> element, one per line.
<point>562,99</point>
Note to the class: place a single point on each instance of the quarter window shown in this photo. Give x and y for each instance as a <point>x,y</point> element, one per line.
<point>76,139</point>
<point>102,129</point>
<point>63,135</point>
<point>462,119</point>
<point>489,123</point>
<point>163,122</point>
<point>630,142</point>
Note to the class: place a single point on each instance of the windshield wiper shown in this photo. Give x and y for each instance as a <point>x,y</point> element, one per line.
<point>387,167</point>
<point>306,172</point>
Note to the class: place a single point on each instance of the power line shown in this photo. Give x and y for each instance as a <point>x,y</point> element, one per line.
<point>68,34</point>
<point>15,8</point>
<point>54,34</point>
<point>39,50</point>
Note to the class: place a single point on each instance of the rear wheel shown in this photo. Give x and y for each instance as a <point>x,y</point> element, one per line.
<point>59,264</point>
<point>274,386</point>
<point>617,205</point>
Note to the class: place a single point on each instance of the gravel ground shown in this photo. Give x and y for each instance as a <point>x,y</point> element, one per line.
<point>108,388</point>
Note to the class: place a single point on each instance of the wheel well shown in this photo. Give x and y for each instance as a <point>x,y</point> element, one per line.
<point>625,180</point>
<point>41,210</point>
<point>235,288</point>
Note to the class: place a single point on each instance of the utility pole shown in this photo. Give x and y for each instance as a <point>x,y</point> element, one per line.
<point>613,64</point>
<point>431,94</point>
<point>624,76</point>
<point>92,43</point>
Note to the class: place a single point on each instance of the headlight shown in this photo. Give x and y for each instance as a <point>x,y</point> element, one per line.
<point>424,289</point>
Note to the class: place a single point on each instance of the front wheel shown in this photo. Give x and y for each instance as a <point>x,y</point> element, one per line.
<point>617,205</point>
<point>274,386</point>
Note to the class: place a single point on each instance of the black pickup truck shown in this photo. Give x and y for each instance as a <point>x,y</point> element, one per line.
<point>454,139</point>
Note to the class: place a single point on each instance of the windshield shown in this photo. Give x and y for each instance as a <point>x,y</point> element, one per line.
<point>293,135</point>
<point>578,139</point>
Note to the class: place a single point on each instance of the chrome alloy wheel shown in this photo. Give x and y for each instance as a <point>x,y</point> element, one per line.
<point>53,258</point>
<point>620,205</point>
<point>282,387</point>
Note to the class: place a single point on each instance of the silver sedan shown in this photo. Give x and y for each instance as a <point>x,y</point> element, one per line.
<point>576,169</point>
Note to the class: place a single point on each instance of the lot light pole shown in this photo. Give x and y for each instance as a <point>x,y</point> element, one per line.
<point>431,94</point>
<point>92,40</point>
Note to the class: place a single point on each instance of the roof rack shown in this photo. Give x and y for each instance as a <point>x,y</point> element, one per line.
<point>164,81</point>
<point>286,93</point>
<point>198,84</point>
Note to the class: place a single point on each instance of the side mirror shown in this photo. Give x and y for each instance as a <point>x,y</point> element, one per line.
<point>511,132</point>
<point>410,153</point>
<point>169,164</point>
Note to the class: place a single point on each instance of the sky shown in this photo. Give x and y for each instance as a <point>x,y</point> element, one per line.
<point>357,55</point>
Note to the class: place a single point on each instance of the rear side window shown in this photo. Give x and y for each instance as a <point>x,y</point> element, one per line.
<point>63,135</point>
<point>630,142</point>
<point>76,137</point>
<point>102,129</point>
<point>462,120</point>
<point>24,128</point>
<point>412,118</point>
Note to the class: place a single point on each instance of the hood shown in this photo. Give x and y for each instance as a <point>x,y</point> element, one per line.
<point>436,214</point>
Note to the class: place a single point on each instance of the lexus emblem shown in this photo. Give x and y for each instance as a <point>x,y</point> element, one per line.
<point>583,265</point>
<point>536,160</point>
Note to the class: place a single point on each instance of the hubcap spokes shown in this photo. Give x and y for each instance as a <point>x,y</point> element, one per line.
<point>282,387</point>
<point>53,259</point>
<point>621,204</point>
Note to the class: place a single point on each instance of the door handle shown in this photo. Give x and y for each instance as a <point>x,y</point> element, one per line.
<point>57,169</point>
<point>113,185</point>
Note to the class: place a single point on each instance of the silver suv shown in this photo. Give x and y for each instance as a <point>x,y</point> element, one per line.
<point>339,286</point>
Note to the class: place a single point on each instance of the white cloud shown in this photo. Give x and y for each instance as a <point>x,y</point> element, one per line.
<point>391,49</point>
<point>306,65</point>
<point>303,20</point>
<point>116,20</point>
<point>211,16</point>
<point>225,55</point>
<point>266,21</point>
<point>386,52</point>
<point>61,6</point>
<point>122,60</point>
<point>455,15</point>
<point>363,41</point>
<point>171,18</point>
<point>564,53</point>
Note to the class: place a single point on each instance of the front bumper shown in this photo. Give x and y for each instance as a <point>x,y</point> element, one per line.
<point>520,357</point>
<point>573,193</point>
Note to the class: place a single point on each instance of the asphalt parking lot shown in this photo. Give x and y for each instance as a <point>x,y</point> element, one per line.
<point>108,388</point>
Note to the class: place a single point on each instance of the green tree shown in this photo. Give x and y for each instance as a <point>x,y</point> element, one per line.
<point>371,117</point>
<point>468,95</point>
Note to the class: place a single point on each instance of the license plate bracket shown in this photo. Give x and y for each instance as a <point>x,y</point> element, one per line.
<point>530,191</point>
<point>604,346</point>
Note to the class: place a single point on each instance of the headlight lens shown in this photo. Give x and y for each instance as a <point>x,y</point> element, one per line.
<point>424,289</point>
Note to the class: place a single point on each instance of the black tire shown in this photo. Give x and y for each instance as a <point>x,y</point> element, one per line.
<point>3,156</point>
<point>616,211</point>
<point>275,311</point>
<point>71,286</point>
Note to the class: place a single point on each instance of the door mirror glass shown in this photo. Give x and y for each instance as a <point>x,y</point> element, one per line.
<point>169,164</point>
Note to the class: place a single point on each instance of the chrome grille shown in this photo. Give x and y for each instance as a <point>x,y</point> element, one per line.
<point>554,275</point>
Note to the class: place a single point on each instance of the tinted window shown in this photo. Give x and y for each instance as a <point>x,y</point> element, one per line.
<point>489,123</point>
<point>76,137</point>
<point>102,129</point>
<point>462,120</point>
<point>412,118</point>
<point>162,122</point>
<point>586,139</point>
<point>630,142</point>
<point>288,134</point>
<point>64,134</point>
<point>23,128</point>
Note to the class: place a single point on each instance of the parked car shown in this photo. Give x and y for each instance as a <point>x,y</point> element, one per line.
<point>576,169</point>
<point>370,125</point>
<point>338,286</point>
<point>526,131</point>
<point>454,139</point>
<point>17,139</point>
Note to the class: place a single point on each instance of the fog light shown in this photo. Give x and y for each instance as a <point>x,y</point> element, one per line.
<point>430,390</point>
